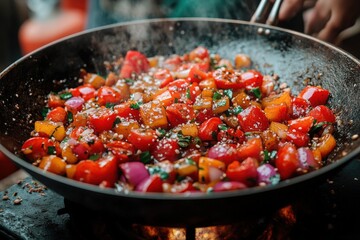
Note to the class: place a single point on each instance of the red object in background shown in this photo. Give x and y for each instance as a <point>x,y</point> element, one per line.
<point>7,167</point>
<point>74,4</point>
<point>70,19</point>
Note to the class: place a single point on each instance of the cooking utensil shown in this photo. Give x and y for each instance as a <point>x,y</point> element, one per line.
<point>267,12</point>
<point>296,58</point>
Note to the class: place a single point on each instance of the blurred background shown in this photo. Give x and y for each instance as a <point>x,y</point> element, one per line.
<point>30,24</point>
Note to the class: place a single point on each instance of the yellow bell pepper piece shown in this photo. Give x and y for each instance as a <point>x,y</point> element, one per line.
<point>52,129</point>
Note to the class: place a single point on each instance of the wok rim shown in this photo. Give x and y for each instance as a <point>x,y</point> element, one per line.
<point>26,166</point>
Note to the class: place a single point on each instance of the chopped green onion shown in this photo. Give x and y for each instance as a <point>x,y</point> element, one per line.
<point>94,157</point>
<point>188,95</point>
<point>51,150</point>
<point>161,132</point>
<point>183,141</point>
<point>256,92</point>
<point>217,96</point>
<point>223,127</point>
<point>70,117</point>
<point>145,157</point>
<point>66,96</point>
<point>190,161</point>
<point>229,93</point>
<point>44,112</point>
<point>237,109</point>
<point>110,105</point>
<point>117,121</point>
<point>135,105</point>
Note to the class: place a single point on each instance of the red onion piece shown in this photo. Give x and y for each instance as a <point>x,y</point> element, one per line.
<point>215,174</point>
<point>75,103</point>
<point>134,172</point>
<point>306,158</point>
<point>266,172</point>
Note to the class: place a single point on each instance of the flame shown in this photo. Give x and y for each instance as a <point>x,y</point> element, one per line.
<point>277,227</point>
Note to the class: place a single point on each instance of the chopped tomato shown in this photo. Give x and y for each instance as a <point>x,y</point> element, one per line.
<point>153,183</point>
<point>164,76</point>
<point>203,115</point>
<point>81,151</point>
<point>192,92</point>
<point>197,75</point>
<point>303,124</point>
<point>57,114</point>
<point>179,113</point>
<point>252,79</point>
<point>224,152</point>
<point>179,85</point>
<point>135,62</point>
<point>166,149</point>
<point>244,172</point>
<point>199,53</point>
<point>127,110</point>
<point>54,101</point>
<point>107,94</point>
<point>231,135</point>
<point>142,139</point>
<point>86,91</point>
<point>251,148</point>
<point>121,149</point>
<point>102,119</point>
<point>287,161</point>
<point>101,172</point>
<point>299,138</point>
<point>299,107</point>
<point>253,119</point>
<point>227,79</point>
<point>315,95</point>
<point>37,147</point>
<point>208,130</point>
<point>322,114</point>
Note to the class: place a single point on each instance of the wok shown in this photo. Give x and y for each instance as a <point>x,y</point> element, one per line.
<point>293,56</point>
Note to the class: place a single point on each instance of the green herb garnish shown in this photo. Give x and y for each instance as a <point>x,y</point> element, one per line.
<point>217,96</point>
<point>51,150</point>
<point>94,157</point>
<point>145,157</point>
<point>136,105</point>
<point>44,112</point>
<point>256,92</point>
<point>70,117</point>
<point>229,93</point>
<point>66,96</point>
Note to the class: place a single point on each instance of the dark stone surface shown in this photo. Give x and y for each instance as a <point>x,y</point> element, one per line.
<point>36,217</point>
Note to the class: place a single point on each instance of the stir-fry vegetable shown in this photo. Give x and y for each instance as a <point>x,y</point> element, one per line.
<point>195,122</point>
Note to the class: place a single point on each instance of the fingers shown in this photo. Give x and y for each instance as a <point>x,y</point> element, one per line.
<point>316,18</point>
<point>327,20</point>
<point>290,8</point>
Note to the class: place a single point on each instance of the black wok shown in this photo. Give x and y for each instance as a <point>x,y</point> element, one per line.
<point>293,56</point>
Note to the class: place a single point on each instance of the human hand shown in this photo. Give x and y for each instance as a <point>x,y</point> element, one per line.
<point>325,19</point>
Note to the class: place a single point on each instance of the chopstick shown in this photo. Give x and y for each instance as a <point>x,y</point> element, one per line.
<point>267,12</point>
